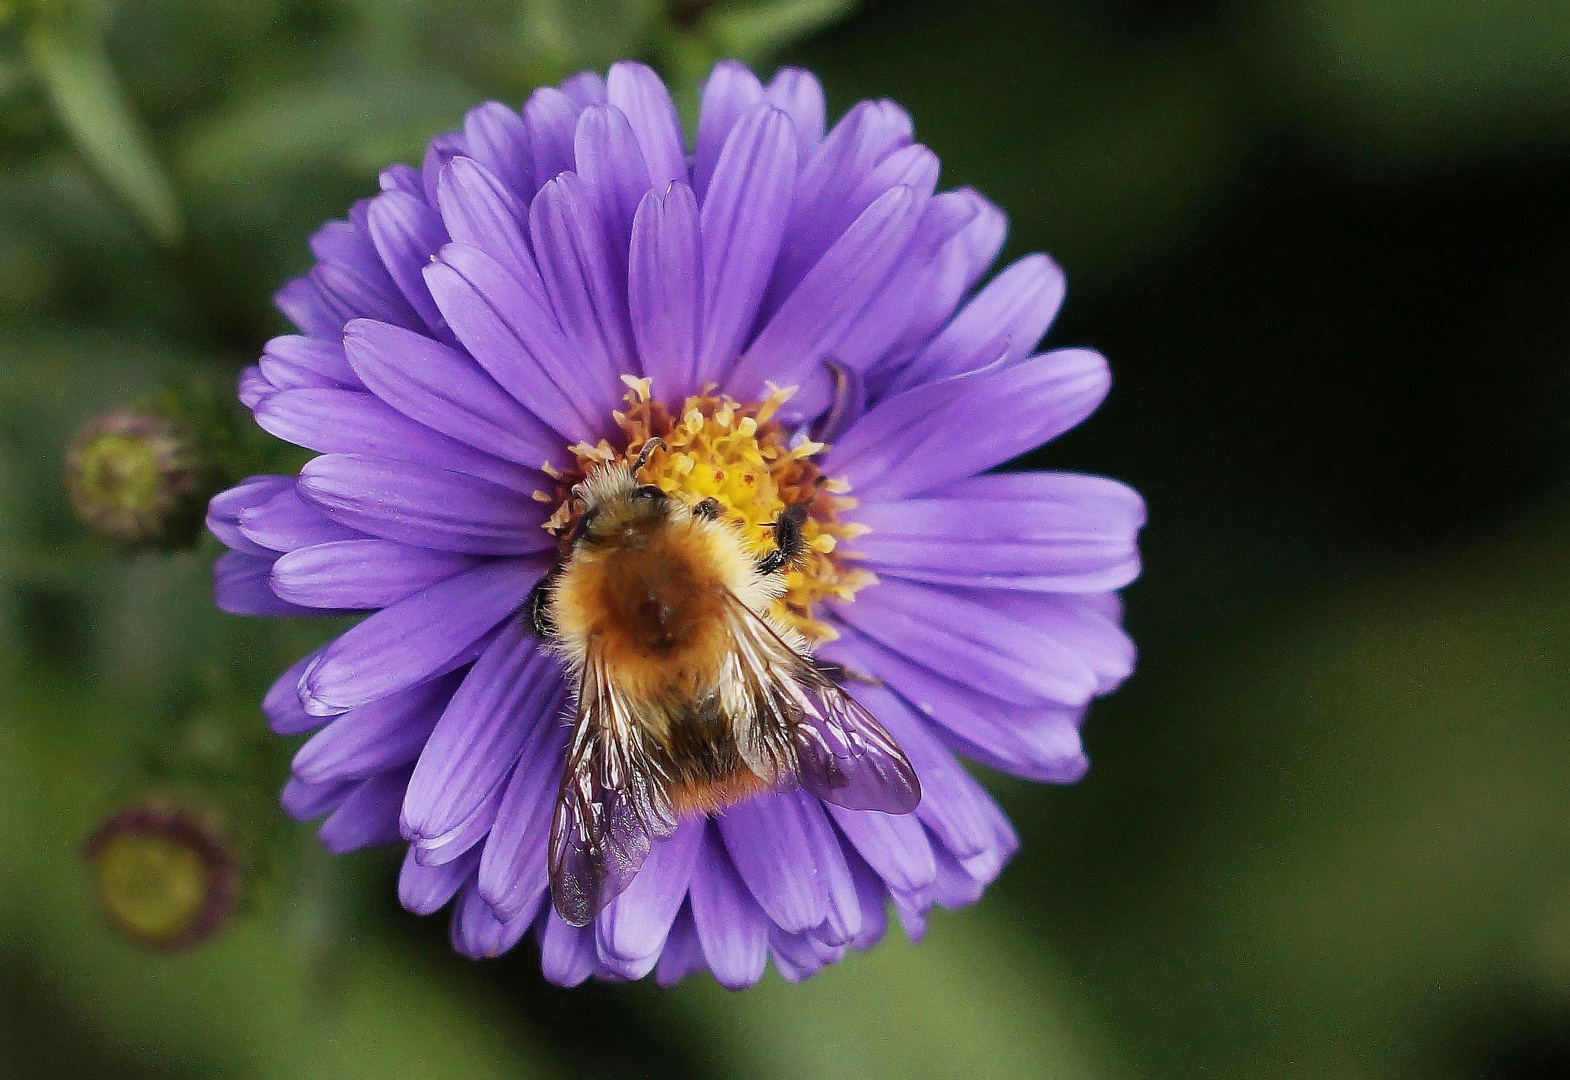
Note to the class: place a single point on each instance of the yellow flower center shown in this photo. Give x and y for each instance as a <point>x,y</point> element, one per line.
<point>740,456</point>
<point>153,887</point>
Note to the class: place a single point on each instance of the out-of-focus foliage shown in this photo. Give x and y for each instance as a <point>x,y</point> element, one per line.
<point>1325,243</point>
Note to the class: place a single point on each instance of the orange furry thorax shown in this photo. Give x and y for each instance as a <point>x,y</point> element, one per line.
<point>648,599</point>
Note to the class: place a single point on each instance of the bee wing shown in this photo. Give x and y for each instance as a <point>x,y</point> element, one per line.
<point>839,751</point>
<point>610,807</point>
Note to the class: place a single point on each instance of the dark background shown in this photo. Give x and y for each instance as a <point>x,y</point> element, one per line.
<point>1326,247</point>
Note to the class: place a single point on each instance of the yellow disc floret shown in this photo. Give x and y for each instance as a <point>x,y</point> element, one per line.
<point>743,458</point>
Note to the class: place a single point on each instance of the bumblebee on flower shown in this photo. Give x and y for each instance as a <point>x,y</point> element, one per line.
<point>691,451</point>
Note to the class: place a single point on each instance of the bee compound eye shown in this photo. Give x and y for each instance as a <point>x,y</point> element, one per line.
<point>648,493</point>
<point>582,525</point>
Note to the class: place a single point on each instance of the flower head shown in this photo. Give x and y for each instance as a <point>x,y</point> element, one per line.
<point>165,872</point>
<point>795,315</point>
<point>138,478</point>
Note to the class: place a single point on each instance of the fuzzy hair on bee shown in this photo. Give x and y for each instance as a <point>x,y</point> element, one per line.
<point>688,696</point>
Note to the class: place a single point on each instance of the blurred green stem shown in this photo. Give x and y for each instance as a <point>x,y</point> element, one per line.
<point>67,54</point>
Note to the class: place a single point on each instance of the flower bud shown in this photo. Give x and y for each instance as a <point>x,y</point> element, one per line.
<point>166,874</point>
<point>139,479</point>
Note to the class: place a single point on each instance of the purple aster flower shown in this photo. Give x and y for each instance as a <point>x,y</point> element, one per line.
<point>797,315</point>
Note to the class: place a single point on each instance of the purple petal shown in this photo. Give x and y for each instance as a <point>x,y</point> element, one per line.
<point>442,149</point>
<point>958,811</point>
<point>461,838</point>
<point>1006,319</point>
<point>1055,532</point>
<point>497,138</point>
<point>479,210</point>
<point>928,436</point>
<point>969,232</point>
<point>665,289</point>
<point>292,361</point>
<point>551,117</point>
<point>513,870</point>
<point>401,178</point>
<point>769,840</point>
<point>407,232</point>
<point>281,705</point>
<point>1078,622</point>
<point>353,422</point>
<point>729,94</point>
<point>831,193</point>
<point>303,801</point>
<point>344,242</point>
<point>742,221</point>
<point>477,934</point>
<point>683,953</point>
<point>511,689</point>
<point>223,512</point>
<point>1038,742</point>
<point>253,388</point>
<point>809,324</point>
<point>634,926</point>
<point>614,175</point>
<point>640,95</point>
<point>350,295</point>
<point>873,895</point>
<point>894,845</point>
<point>426,507</point>
<point>240,587</point>
<point>971,643</point>
<point>303,305</point>
<point>567,955</point>
<point>584,89</point>
<point>586,289</point>
<point>842,922</point>
<point>732,929</point>
<point>799,95</point>
<point>425,890</point>
<point>286,522</point>
<point>921,292</point>
<point>432,632</point>
<point>373,738</point>
<point>796,956</point>
<point>446,391</point>
<point>360,574</point>
<point>507,324</point>
<point>368,817</point>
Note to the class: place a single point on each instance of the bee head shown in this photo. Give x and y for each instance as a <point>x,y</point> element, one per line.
<point>616,508</point>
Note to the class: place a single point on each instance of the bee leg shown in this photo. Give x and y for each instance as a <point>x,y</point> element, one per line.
<point>787,540</point>
<point>707,509</point>
<point>539,606</point>
<point>840,674</point>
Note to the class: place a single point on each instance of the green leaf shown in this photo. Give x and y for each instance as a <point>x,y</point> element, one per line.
<point>758,31</point>
<point>68,57</point>
<point>283,128</point>
<point>559,37</point>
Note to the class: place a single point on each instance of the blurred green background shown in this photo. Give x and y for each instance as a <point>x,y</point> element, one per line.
<point>1326,246</point>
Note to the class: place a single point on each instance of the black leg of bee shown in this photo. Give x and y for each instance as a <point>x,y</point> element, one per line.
<point>840,674</point>
<point>649,446</point>
<point>787,540</point>
<point>708,509</point>
<point>539,606</point>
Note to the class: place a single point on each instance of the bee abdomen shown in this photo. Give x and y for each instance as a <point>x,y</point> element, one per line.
<point>704,767</point>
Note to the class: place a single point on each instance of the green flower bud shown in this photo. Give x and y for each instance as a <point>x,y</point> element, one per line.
<point>139,479</point>
<point>166,874</point>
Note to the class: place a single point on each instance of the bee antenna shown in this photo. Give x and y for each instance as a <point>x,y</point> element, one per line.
<point>650,445</point>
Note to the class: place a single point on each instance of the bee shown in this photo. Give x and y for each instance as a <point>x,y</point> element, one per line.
<point>688,695</point>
